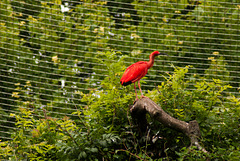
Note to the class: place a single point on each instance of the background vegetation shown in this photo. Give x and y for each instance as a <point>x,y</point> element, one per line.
<point>61,62</point>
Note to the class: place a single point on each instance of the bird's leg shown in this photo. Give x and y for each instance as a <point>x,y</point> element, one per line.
<point>140,88</point>
<point>135,92</point>
<point>142,96</point>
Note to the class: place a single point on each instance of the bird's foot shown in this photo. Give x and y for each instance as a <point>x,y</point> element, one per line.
<point>142,96</point>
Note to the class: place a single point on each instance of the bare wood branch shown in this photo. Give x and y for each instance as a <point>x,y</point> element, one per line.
<point>145,105</point>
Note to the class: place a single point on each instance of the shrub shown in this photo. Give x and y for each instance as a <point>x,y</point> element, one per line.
<point>104,129</point>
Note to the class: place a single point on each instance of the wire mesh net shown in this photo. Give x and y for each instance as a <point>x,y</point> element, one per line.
<point>50,49</point>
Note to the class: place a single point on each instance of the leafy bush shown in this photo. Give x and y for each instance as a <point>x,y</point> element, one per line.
<point>104,128</point>
<point>56,63</point>
<point>215,111</point>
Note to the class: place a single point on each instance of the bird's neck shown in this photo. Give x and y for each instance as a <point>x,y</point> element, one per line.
<point>151,61</point>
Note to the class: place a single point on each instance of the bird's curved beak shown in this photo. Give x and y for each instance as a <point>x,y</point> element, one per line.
<point>163,54</point>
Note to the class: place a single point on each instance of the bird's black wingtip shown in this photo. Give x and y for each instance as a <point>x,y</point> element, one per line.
<point>126,83</point>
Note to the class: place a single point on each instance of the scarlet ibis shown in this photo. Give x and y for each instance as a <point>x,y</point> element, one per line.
<point>138,70</point>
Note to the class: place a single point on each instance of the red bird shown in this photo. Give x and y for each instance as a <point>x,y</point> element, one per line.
<point>138,70</point>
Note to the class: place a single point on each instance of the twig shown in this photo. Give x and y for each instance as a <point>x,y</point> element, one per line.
<point>68,134</point>
<point>132,154</point>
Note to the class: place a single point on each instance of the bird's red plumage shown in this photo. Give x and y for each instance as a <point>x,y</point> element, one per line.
<point>138,70</point>
<point>134,73</point>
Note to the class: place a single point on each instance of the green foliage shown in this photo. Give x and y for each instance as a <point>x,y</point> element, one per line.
<point>217,69</point>
<point>104,129</point>
<point>93,135</point>
<point>215,111</point>
<point>56,63</point>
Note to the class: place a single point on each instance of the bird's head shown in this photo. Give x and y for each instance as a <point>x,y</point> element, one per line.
<point>152,56</point>
<point>156,53</point>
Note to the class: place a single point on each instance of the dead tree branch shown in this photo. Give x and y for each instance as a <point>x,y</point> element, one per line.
<point>145,105</point>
